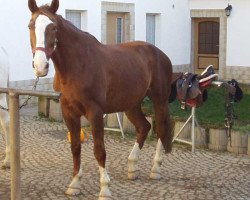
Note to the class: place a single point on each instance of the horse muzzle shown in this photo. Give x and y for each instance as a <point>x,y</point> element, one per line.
<point>40,64</point>
<point>41,73</point>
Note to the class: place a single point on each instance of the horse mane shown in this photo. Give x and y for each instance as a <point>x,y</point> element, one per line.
<point>44,9</point>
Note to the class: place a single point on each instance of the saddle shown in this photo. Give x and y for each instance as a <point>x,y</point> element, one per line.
<point>191,88</point>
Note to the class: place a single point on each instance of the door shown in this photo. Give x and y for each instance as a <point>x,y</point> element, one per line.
<point>207,43</point>
<point>115,28</point>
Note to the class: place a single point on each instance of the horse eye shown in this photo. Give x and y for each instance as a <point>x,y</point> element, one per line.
<point>31,25</point>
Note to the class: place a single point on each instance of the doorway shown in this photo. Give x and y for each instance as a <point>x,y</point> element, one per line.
<point>206,43</point>
<point>115,28</point>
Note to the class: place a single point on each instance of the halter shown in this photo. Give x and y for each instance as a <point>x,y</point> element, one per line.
<point>47,52</point>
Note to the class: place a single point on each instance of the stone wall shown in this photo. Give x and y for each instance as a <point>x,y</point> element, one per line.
<point>44,84</point>
<point>241,74</point>
<point>182,68</point>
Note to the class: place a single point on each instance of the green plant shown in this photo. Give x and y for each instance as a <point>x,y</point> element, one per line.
<point>212,113</point>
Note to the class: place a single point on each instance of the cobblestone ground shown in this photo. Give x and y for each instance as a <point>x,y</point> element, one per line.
<point>46,168</point>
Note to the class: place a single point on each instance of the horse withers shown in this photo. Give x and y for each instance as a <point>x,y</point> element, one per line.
<point>95,79</point>
<point>4,114</point>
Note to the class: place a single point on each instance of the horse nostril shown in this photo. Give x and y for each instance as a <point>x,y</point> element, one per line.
<point>33,65</point>
<point>47,66</point>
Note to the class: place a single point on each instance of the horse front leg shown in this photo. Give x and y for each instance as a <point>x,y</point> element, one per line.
<point>4,118</point>
<point>95,116</point>
<point>74,126</point>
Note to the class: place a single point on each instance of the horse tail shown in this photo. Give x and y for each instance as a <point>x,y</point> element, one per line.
<point>173,93</point>
<point>164,126</point>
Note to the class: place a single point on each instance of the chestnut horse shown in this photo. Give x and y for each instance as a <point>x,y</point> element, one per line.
<point>4,115</point>
<point>95,79</point>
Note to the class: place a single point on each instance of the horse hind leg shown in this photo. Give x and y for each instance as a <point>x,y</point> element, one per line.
<point>4,119</point>
<point>164,134</point>
<point>157,161</point>
<point>142,126</point>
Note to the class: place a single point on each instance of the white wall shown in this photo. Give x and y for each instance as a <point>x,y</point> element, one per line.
<point>238,28</point>
<point>14,34</point>
<point>173,29</point>
<point>14,37</point>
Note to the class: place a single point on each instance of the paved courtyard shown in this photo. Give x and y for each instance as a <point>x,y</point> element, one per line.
<point>46,168</point>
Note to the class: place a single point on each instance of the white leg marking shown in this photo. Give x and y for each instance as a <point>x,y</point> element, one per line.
<point>133,158</point>
<point>156,169</point>
<point>74,187</point>
<point>105,193</point>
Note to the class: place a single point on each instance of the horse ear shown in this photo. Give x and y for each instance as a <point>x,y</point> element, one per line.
<point>54,6</point>
<point>32,6</point>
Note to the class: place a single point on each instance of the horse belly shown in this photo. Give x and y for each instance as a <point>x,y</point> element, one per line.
<point>126,96</point>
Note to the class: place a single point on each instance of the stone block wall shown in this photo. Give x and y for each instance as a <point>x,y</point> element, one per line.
<point>44,84</point>
<point>241,74</point>
<point>182,68</point>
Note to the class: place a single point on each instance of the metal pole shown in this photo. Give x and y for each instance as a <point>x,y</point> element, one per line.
<point>15,146</point>
<point>193,126</point>
<point>182,127</point>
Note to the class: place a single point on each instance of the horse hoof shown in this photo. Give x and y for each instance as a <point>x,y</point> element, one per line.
<point>155,176</point>
<point>73,191</point>
<point>133,175</point>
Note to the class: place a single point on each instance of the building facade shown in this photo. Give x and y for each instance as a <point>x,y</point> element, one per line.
<point>229,35</point>
<point>192,33</point>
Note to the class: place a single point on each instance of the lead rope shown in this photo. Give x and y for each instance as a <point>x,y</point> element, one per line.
<point>229,114</point>
<point>27,99</point>
<point>24,103</point>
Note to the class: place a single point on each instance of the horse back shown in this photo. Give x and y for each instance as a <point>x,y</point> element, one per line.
<point>133,69</point>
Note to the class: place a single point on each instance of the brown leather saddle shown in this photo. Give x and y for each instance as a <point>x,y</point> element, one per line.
<point>191,88</point>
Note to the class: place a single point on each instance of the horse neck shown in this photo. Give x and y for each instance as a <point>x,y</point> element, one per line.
<point>72,45</point>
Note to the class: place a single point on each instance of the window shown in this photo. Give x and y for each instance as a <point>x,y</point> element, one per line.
<point>119,30</point>
<point>208,37</point>
<point>74,17</point>
<point>150,28</point>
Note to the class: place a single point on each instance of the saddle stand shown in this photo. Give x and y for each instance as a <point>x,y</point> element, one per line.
<point>191,90</point>
<point>194,123</point>
<point>116,129</point>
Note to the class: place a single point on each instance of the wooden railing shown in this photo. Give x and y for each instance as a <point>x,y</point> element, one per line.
<point>14,132</point>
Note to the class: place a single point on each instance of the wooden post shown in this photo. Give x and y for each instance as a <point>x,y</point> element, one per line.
<point>15,134</point>
<point>15,146</point>
<point>193,126</point>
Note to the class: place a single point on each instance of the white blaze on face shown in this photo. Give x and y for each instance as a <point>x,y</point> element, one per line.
<point>40,60</point>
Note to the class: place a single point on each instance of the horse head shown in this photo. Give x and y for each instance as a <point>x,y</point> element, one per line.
<point>43,37</point>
